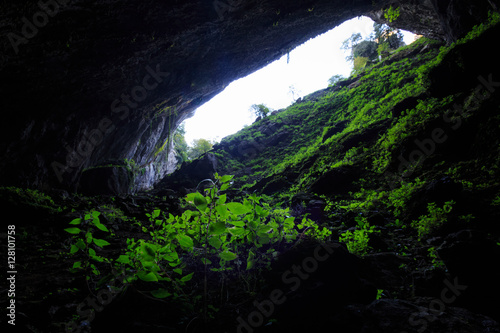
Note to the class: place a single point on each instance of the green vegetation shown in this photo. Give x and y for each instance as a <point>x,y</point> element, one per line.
<point>214,232</point>
<point>199,147</point>
<point>357,240</point>
<point>436,217</point>
<point>260,110</point>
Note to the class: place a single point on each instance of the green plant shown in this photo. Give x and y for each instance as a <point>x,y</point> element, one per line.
<point>392,14</point>
<point>435,218</point>
<point>219,234</point>
<point>85,241</point>
<point>436,261</point>
<point>357,240</point>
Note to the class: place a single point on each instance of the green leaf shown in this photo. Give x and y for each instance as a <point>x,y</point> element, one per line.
<point>236,231</point>
<point>100,242</point>
<point>148,252</point>
<point>123,259</point>
<point>216,228</point>
<point>95,214</point>
<point>73,249</point>
<point>264,239</point>
<point>215,242</point>
<point>88,237</point>
<point>73,231</point>
<point>77,264</point>
<point>206,261</point>
<point>226,178</point>
<point>160,293</point>
<point>92,253</point>
<point>171,256</point>
<point>200,202</point>
<point>178,270</point>
<point>76,221</point>
<point>81,244</point>
<point>222,199</point>
<point>225,186</point>
<point>238,208</point>
<point>156,213</point>
<point>228,255</point>
<point>101,226</point>
<point>147,276</point>
<point>237,223</point>
<point>185,241</point>
<point>223,212</point>
<point>250,260</point>
<point>187,277</point>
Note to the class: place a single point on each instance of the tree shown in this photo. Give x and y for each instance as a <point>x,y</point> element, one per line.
<point>260,110</point>
<point>334,79</point>
<point>199,147</point>
<point>366,49</point>
<point>387,38</point>
<point>350,43</point>
<point>180,145</point>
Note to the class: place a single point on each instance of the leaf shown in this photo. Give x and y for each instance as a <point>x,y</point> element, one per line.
<point>101,226</point>
<point>171,256</point>
<point>73,249</point>
<point>237,223</point>
<point>95,214</point>
<point>81,244</point>
<point>228,255</point>
<point>88,237</point>
<point>123,259</point>
<point>77,264</point>
<point>100,242</point>
<point>264,239</point>
<point>160,293</point>
<point>224,186</point>
<point>238,208</point>
<point>187,277</point>
<point>236,231</point>
<point>147,276</point>
<point>73,231</point>
<point>148,252</point>
<point>206,261</point>
<point>185,241</point>
<point>76,221</point>
<point>226,178</point>
<point>156,213</point>
<point>215,242</point>
<point>200,202</point>
<point>92,253</point>
<point>178,270</point>
<point>222,199</point>
<point>223,212</point>
<point>250,260</point>
<point>217,228</point>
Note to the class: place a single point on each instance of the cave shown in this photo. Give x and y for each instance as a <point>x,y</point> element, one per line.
<point>93,92</point>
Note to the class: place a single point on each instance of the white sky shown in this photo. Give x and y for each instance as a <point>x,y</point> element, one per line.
<point>308,70</point>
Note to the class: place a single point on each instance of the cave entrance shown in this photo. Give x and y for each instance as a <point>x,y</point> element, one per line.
<point>304,70</point>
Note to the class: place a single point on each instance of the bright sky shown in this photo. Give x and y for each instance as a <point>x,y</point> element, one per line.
<point>308,70</point>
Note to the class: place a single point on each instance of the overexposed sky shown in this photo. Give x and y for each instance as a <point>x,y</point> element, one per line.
<point>309,67</point>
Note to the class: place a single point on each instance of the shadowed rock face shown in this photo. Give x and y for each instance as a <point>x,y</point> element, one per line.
<point>90,84</point>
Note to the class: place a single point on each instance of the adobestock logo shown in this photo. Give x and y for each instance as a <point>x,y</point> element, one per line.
<point>40,19</point>
<point>452,119</point>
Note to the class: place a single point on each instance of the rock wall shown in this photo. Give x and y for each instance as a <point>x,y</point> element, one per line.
<point>88,84</point>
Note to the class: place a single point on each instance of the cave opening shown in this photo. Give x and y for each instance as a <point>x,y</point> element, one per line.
<point>306,69</point>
